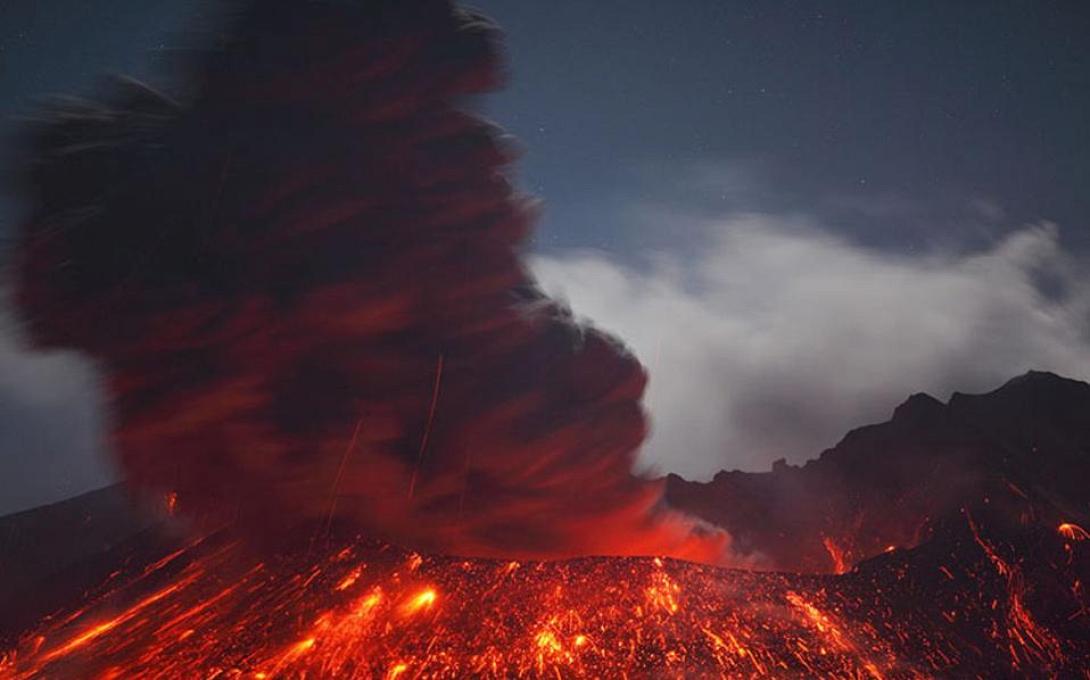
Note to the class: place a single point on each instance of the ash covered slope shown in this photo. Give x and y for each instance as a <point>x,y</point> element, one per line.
<point>1023,449</point>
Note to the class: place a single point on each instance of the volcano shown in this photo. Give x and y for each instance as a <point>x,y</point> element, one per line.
<point>995,587</point>
<point>357,440</point>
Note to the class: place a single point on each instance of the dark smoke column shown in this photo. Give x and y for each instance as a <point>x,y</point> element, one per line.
<point>303,278</point>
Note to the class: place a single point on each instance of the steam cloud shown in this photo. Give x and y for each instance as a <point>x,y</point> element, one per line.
<point>778,337</point>
<point>303,280</point>
<point>51,427</point>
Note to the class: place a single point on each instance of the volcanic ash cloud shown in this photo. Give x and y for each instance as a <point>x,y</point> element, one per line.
<point>302,276</point>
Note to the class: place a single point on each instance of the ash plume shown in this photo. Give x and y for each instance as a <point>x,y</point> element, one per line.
<point>303,277</point>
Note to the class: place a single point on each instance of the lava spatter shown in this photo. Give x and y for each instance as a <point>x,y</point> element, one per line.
<point>355,608</point>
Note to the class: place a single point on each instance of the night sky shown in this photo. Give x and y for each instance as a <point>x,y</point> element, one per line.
<point>939,107</point>
<point>895,144</point>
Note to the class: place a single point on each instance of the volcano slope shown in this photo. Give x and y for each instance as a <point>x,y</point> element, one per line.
<point>970,602</point>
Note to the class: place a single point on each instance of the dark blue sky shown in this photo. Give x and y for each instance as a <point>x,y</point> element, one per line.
<point>897,123</point>
<point>930,106</point>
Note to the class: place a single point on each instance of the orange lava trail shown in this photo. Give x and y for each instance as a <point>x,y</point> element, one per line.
<point>1031,645</point>
<point>427,426</point>
<point>340,471</point>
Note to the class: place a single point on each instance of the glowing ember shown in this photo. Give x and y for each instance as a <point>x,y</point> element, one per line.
<point>170,503</point>
<point>421,601</point>
<point>1072,532</point>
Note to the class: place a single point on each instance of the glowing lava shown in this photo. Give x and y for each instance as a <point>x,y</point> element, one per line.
<point>362,609</point>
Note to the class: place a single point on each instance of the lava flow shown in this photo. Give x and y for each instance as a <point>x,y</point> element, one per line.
<point>357,608</point>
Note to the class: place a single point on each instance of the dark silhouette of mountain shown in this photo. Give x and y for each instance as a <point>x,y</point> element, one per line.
<point>52,555</point>
<point>1023,451</point>
<point>40,542</point>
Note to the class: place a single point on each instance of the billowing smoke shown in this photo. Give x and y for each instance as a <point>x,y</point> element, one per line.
<point>303,278</point>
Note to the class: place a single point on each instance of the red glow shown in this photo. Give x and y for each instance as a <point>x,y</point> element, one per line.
<point>366,610</point>
<point>840,564</point>
<point>1072,532</point>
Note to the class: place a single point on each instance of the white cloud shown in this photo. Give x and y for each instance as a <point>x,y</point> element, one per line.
<point>778,336</point>
<point>51,425</point>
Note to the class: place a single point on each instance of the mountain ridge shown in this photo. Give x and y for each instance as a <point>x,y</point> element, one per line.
<point>1024,447</point>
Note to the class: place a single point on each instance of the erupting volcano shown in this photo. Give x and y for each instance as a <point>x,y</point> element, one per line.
<point>376,449</point>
